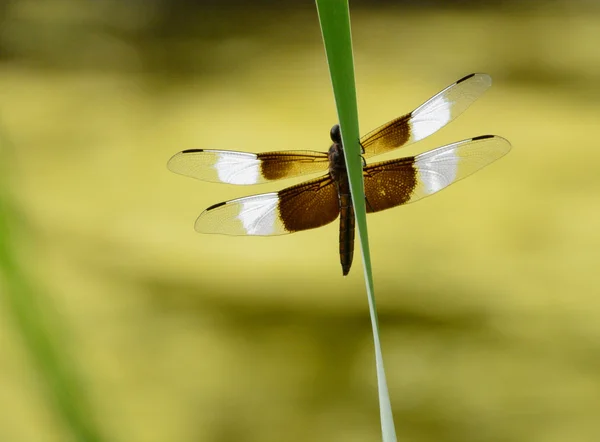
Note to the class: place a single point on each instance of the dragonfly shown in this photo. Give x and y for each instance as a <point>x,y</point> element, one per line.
<point>322,200</point>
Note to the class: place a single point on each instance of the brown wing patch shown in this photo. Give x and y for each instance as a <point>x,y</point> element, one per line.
<point>389,183</point>
<point>387,137</point>
<point>309,205</point>
<point>278,165</point>
<point>405,180</point>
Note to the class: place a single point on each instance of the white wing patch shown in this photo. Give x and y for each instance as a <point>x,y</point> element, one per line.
<point>237,167</point>
<point>217,166</point>
<point>439,168</point>
<point>252,215</point>
<point>438,111</point>
<point>430,117</point>
<point>258,214</point>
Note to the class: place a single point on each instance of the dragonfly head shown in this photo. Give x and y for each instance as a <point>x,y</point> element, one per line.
<point>335,134</point>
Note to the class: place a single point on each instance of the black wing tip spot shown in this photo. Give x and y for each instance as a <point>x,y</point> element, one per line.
<point>483,137</point>
<point>192,150</point>
<point>214,206</point>
<point>465,78</point>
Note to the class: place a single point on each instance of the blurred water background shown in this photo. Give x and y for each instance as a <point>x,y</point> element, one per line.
<point>120,323</point>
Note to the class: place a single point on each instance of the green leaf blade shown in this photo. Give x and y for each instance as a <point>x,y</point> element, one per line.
<point>334,17</point>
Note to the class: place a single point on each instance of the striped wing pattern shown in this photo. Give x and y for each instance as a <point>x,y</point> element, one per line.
<point>406,180</point>
<point>304,206</point>
<point>387,184</point>
<point>428,118</point>
<point>242,168</point>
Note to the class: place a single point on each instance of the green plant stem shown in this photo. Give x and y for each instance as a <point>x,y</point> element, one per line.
<point>334,16</point>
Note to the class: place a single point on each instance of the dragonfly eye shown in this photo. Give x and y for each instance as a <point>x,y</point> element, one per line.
<point>335,134</point>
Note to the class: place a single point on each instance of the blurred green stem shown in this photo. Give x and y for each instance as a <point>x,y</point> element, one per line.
<point>334,16</point>
<point>34,319</point>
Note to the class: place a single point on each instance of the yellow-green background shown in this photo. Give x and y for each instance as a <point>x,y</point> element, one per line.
<point>488,292</point>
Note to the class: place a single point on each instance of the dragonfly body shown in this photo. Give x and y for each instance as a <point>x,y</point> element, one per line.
<point>339,174</point>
